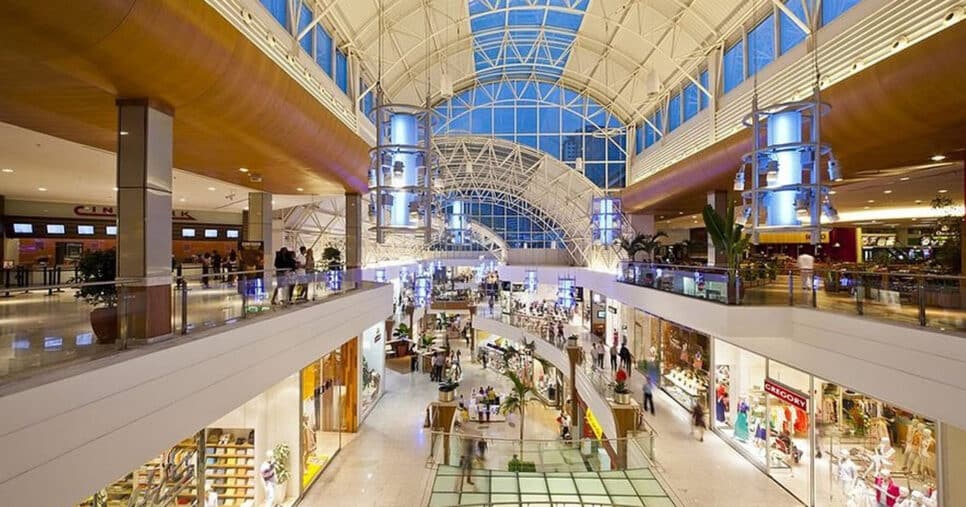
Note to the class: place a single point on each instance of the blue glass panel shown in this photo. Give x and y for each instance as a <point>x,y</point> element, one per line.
<point>674,112</point>
<point>323,49</point>
<point>704,80</point>
<point>615,175</point>
<point>691,101</point>
<point>482,122</point>
<point>639,138</point>
<point>341,70</point>
<point>503,122</point>
<point>615,148</point>
<point>648,135</point>
<point>832,9</point>
<point>571,121</point>
<point>279,10</point>
<point>734,70</point>
<point>790,35</point>
<point>527,120</point>
<point>305,17</point>
<point>549,119</point>
<point>530,141</point>
<point>761,45</point>
<point>550,145</point>
<point>658,120</point>
<point>596,172</point>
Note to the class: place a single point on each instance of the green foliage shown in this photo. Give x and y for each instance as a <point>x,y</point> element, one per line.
<point>98,266</point>
<point>516,465</point>
<point>332,257</point>
<point>647,243</point>
<point>282,472</point>
<point>402,332</point>
<point>948,235</point>
<point>727,236</point>
<point>426,341</point>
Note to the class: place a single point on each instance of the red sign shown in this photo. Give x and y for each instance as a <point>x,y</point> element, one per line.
<point>786,394</point>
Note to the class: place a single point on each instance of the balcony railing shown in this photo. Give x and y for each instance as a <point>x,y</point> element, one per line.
<point>46,327</point>
<point>934,301</point>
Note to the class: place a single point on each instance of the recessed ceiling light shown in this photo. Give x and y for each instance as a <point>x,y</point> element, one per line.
<point>832,192</point>
<point>211,189</point>
<point>904,178</point>
<point>42,189</point>
<point>918,201</point>
<point>300,189</point>
<point>182,199</point>
<point>867,207</point>
<point>870,201</point>
<point>887,191</point>
<point>913,219</point>
<point>680,212</point>
<point>123,132</point>
<point>6,170</point>
<point>243,169</point>
<point>943,191</point>
<point>115,189</point>
<point>938,158</point>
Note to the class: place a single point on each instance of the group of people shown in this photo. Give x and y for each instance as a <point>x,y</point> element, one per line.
<point>620,355</point>
<point>293,263</point>
<point>446,366</point>
<point>212,263</point>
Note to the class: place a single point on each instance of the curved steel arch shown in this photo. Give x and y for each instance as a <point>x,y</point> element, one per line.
<point>521,174</point>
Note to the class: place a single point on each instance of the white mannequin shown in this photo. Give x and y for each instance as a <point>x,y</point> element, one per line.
<point>923,452</point>
<point>847,474</point>
<point>883,455</point>
<point>269,481</point>
<point>917,499</point>
<point>912,443</point>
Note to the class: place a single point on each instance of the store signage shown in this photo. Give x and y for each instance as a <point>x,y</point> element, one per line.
<point>790,237</point>
<point>594,424</point>
<point>110,212</point>
<point>786,394</point>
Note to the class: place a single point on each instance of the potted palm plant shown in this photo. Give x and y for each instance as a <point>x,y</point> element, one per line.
<point>729,238</point>
<point>516,400</point>
<point>332,258</point>
<point>447,390</point>
<point>622,394</point>
<point>98,266</point>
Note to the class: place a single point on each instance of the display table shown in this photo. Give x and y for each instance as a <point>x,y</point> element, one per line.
<point>682,386</point>
<point>400,348</point>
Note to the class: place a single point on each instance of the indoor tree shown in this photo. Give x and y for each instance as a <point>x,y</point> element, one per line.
<point>516,400</point>
<point>646,243</point>
<point>728,237</point>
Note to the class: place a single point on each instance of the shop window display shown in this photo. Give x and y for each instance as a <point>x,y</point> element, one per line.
<point>739,413</point>
<point>684,365</point>
<point>328,391</point>
<point>373,367</point>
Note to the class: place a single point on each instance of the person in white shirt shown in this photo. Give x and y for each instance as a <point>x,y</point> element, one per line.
<point>806,268</point>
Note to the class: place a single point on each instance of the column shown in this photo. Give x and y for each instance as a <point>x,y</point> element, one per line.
<point>144,159</point>
<point>625,419</point>
<point>574,353</point>
<point>353,236</point>
<point>643,223</point>
<point>718,199</point>
<point>951,461</point>
<point>258,224</point>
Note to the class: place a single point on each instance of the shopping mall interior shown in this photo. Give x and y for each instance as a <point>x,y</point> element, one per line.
<point>277,253</point>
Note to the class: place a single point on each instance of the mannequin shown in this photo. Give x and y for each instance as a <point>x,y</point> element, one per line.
<point>883,455</point>
<point>912,443</point>
<point>847,474</point>
<point>917,499</point>
<point>922,453</point>
<point>903,500</point>
<point>721,403</point>
<point>269,480</point>
<point>741,421</point>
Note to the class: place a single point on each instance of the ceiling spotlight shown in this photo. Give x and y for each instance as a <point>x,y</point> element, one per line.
<point>299,189</point>
<point>832,192</point>
<point>41,189</point>
<point>740,181</point>
<point>887,191</point>
<point>680,212</point>
<point>6,170</point>
<point>870,201</point>
<point>904,178</point>
<point>243,169</point>
<point>211,189</point>
<point>918,201</point>
<point>123,132</point>
<point>834,171</point>
<point>938,158</point>
<point>115,189</point>
<point>830,212</point>
<point>867,207</point>
<point>771,173</point>
<point>943,191</point>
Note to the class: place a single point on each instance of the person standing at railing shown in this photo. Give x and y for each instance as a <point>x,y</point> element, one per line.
<point>625,355</point>
<point>205,269</point>
<point>806,267</point>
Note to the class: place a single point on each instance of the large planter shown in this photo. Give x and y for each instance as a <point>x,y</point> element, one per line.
<point>104,324</point>
<point>447,396</point>
<point>622,398</point>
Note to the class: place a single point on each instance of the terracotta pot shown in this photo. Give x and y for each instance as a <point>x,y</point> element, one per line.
<point>447,396</point>
<point>622,398</point>
<point>104,324</point>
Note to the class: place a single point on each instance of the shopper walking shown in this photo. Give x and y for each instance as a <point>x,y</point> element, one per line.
<point>697,420</point>
<point>648,394</point>
<point>625,355</point>
<point>205,269</point>
<point>599,350</point>
<point>216,265</point>
<point>466,460</point>
<point>613,357</point>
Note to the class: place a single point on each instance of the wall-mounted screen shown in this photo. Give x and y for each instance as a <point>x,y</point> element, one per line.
<point>187,233</point>
<point>56,229</point>
<point>211,233</point>
<point>232,233</point>
<point>23,228</point>
<point>85,230</point>
<point>112,230</point>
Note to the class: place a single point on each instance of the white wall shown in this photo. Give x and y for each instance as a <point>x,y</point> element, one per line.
<point>920,370</point>
<point>85,431</point>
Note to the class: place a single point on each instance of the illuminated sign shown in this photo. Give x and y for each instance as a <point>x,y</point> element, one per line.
<point>111,212</point>
<point>786,394</point>
<point>593,424</point>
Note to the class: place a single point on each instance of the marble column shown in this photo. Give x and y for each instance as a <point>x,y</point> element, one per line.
<point>144,161</point>
<point>353,236</point>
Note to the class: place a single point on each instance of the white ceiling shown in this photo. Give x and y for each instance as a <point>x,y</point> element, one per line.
<point>75,173</point>
<point>617,44</point>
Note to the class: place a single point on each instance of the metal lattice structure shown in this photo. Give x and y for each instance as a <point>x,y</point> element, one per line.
<point>541,187</point>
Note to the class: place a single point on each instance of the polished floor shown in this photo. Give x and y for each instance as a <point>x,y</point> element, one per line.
<point>388,463</point>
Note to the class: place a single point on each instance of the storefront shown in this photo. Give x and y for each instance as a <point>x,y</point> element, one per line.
<point>825,443</point>
<point>265,452</point>
<point>643,340</point>
<point>373,368</point>
<point>683,362</point>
